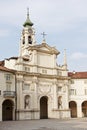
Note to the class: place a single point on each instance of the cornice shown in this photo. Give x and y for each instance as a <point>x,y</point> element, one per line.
<point>43,75</point>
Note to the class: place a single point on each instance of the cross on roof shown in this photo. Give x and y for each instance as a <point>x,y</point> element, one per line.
<point>27,12</point>
<point>43,35</point>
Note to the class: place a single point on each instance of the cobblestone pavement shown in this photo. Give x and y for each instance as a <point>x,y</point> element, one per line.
<point>46,124</point>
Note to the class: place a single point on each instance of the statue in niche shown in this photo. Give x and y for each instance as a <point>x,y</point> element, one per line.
<point>59,102</point>
<point>27,102</point>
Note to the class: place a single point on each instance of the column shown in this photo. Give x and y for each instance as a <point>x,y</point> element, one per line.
<point>1,112</point>
<point>19,94</point>
<point>35,61</point>
<point>66,100</point>
<point>21,97</point>
<point>26,37</point>
<point>55,105</point>
<point>14,118</point>
<point>79,109</point>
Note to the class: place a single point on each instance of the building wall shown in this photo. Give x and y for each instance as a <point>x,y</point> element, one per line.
<point>7,84</point>
<point>78,93</point>
<point>37,87</point>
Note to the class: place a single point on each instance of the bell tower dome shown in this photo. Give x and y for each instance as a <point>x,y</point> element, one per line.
<point>28,21</point>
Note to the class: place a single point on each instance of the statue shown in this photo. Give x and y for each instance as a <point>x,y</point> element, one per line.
<point>27,102</point>
<point>59,102</point>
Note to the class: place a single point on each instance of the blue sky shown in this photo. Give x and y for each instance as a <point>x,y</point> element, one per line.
<point>64,22</point>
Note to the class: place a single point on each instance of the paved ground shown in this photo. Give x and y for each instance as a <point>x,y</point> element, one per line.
<point>46,124</point>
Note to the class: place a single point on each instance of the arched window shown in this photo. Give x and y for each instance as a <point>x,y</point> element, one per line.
<point>29,40</point>
<point>73,108</point>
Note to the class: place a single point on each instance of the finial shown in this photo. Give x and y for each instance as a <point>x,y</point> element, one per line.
<point>28,13</point>
<point>43,35</point>
<point>65,59</point>
<point>28,21</point>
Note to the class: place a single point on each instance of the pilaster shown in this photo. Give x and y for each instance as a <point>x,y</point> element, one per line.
<point>79,110</point>
<point>55,106</point>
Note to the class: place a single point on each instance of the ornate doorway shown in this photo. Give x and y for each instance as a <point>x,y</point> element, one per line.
<point>44,107</point>
<point>7,110</point>
<point>73,108</point>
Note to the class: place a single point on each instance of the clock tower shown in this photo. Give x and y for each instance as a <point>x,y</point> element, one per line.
<point>27,37</point>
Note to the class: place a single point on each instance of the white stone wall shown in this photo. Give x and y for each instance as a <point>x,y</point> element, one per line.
<point>3,84</point>
<point>79,85</point>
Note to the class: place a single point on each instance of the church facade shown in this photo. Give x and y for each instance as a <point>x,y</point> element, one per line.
<point>33,85</point>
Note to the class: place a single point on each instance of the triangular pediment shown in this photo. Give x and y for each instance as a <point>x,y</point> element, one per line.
<point>45,48</point>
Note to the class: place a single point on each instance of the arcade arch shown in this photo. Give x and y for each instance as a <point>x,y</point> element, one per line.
<point>7,110</point>
<point>73,108</point>
<point>84,109</point>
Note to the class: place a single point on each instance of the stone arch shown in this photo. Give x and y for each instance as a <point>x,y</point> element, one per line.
<point>47,95</point>
<point>84,108</point>
<point>59,102</point>
<point>27,101</point>
<point>73,108</point>
<point>7,110</point>
<point>44,107</point>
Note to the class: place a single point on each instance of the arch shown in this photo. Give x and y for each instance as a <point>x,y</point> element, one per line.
<point>73,108</point>
<point>27,102</point>
<point>44,107</point>
<point>47,95</point>
<point>7,110</point>
<point>84,109</point>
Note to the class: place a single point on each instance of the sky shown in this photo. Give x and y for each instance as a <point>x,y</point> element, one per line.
<point>64,22</point>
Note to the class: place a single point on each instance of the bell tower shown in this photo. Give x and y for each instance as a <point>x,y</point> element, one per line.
<point>27,36</point>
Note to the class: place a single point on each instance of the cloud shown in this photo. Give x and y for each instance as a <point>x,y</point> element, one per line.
<point>78,56</point>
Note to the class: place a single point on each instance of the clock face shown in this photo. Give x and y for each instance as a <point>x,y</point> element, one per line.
<point>30,31</point>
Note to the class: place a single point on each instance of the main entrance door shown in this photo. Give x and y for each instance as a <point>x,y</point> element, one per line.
<point>7,110</point>
<point>44,107</point>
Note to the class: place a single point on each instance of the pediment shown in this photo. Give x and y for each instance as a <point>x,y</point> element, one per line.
<point>46,48</point>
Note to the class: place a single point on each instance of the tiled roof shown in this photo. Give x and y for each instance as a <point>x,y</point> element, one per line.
<point>2,63</point>
<point>78,75</point>
<point>12,58</point>
<point>2,68</point>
